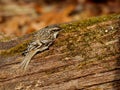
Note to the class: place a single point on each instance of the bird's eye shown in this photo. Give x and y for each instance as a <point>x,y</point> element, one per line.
<point>54,29</point>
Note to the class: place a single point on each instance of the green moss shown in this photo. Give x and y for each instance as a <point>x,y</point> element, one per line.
<point>4,38</point>
<point>75,43</point>
<point>15,50</point>
<point>77,25</point>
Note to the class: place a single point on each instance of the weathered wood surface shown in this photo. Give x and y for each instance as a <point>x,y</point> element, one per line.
<point>86,58</point>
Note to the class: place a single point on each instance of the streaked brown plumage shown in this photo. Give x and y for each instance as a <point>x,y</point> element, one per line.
<point>41,41</point>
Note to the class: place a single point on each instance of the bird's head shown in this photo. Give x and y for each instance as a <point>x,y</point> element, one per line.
<point>54,30</point>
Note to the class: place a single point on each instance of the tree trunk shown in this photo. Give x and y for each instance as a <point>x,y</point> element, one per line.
<point>85,56</point>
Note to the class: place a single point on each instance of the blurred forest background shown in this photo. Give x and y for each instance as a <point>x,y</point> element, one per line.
<point>20,17</point>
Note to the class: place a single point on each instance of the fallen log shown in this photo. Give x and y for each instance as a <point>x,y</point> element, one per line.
<point>85,56</point>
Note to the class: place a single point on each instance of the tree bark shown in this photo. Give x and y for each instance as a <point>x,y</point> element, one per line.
<point>85,56</point>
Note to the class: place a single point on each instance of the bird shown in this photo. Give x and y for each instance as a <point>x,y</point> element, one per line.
<point>42,40</point>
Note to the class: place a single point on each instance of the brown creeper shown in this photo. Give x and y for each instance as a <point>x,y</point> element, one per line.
<point>41,41</point>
